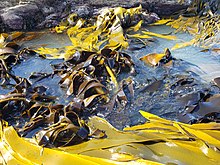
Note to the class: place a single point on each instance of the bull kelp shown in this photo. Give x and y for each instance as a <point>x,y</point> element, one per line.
<point>95,75</point>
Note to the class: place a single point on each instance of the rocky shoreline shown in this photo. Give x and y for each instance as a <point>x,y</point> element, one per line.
<point>39,14</point>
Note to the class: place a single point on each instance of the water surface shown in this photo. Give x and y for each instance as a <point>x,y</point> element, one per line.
<point>191,62</point>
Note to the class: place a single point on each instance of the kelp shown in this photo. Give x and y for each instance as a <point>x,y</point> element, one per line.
<point>204,29</point>
<point>155,59</point>
<point>87,78</point>
<point>201,20</point>
<point>11,53</point>
<point>217,81</point>
<point>113,29</point>
<point>46,132</point>
<point>200,108</point>
<point>89,75</point>
<point>60,125</point>
<point>157,141</point>
<point>119,98</point>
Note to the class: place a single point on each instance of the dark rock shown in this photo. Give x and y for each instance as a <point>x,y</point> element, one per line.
<point>8,3</point>
<point>13,21</point>
<point>161,7</point>
<point>82,11</point>
<point>48,10</point>
<point>21,17</point>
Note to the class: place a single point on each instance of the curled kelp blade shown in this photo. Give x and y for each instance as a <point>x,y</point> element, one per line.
<point>54,126</point>
<point>154,59</point>
<point>11,43</point>
<point>190,130</point>
<point>168,136</point>
<point>160,139</point>
<point>205,29</point>
<point>217,81</point>
<point>87,70</point>
<point>201,19</point>
<point>199,107</point>
<point>120,97</point>
<point>106,32</point>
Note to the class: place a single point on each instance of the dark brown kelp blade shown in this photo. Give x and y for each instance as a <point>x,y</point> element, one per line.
<point>154,86</point>
<point>200,108</point>
<point>217,81</point>
<point>60,126</point>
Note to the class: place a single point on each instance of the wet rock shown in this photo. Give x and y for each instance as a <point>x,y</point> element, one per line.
<point>8,3</point>
<point>21,17</point>
<point>83,11</point>
<point>13,21</point>
<point>51,20</point>
<point>161,7</point>
<point>47,10</point>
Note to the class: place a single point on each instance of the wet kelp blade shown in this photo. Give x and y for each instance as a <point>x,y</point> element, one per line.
<point>217,81</point>
<point>154,59</point>
<point>157,141</point>
<point>106,32</point>
<point>16,150</point>
<point>203,25</point>
<point>112,29</point>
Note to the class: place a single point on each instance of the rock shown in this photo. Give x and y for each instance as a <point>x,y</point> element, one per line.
<point>82,11</point>
<point>21,17</point>
<point>161,7</point>
<point>48,10</point>
<point>51,20</point>
<point>13,21</point>
<point>8,3</point>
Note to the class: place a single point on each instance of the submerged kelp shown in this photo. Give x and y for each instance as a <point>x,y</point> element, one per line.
<point>94,80</point>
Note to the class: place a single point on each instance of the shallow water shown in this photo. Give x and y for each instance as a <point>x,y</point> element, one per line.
<point>203,66</point>
<point>207,62</point>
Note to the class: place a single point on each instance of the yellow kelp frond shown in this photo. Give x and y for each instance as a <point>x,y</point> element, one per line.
<point>186,24</point>
<point>205,30</point>
<point>15,150</point>
<point>168,37</point>
<point>202,20</point>
<point>57,53</point>
<point>183,44</point>
<point>158,141</point>
<point>155,59</point>
<point>112,29</point>
<point>162,22</point>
